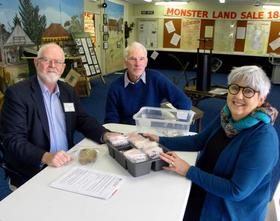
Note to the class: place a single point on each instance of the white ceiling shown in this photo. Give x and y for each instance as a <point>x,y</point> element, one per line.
<point>228,2</point>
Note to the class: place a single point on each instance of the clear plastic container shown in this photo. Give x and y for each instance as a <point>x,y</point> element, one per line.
<point>165,121</point>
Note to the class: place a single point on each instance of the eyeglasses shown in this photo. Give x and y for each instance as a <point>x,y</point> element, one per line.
<point>134,59</point>
<point>48,61</point>
<point>246,91</point>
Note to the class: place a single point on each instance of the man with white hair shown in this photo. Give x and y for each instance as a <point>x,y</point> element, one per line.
<point>40,115</point>
<point>140,87</point>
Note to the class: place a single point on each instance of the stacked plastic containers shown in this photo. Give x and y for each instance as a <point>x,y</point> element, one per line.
<point>135,153</point>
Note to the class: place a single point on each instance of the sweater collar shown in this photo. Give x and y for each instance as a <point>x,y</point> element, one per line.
<point>127,81</point>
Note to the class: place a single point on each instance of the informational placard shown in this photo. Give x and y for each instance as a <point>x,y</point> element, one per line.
<point>224,35</point>
<point>257,35</point>
<point>190,33</point>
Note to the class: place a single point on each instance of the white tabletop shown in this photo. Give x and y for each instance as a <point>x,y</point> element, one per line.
<point>156,196</point>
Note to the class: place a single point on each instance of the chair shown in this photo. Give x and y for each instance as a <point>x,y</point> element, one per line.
<point>273,213</point>
<point>216,63</point>
<point>16,178</point>
<point>182,66</point>
<point>198,113</point>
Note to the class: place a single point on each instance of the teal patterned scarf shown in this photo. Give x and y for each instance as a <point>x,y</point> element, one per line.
<point>266,113</point>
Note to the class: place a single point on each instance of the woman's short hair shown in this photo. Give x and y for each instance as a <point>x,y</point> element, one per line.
<point>134,45</point>
<point>251,76</point>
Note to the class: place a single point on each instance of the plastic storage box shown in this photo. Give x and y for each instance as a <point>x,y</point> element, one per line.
<point>167,122</point>
<point>135,169</point>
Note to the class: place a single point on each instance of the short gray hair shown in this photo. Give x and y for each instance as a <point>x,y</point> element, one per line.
<point>134,45</point>
<point>252,76</point>
<point>48,45</point>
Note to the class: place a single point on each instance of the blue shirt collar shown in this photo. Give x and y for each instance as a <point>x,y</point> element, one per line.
<point>127,81</point>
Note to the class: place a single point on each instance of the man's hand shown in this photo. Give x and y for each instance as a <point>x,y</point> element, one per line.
<point>57,159</point>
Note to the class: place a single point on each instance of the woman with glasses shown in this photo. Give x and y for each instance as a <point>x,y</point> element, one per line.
<point>238,150</point>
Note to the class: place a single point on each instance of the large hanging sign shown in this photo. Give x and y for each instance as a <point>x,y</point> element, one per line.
<point>205,14</point>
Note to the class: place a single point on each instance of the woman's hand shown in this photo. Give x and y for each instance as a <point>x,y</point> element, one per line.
<point>152,137</point>
<point>176,164</point>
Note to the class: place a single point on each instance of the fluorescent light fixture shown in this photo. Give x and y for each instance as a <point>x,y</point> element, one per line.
<point>271,6</point>
<point>170,3</point>
<point>148,0</point>
<point>222,1</point>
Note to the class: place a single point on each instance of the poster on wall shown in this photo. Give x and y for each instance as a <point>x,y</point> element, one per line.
<point>115,44</point>
<point>89,25</point>
<point>190,33</point>
<point>224,35</point>
<point>257,35</point>
<point>147,33</point>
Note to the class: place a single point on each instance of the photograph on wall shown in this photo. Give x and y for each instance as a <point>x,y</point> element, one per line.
<point>81,50</point>
<point>113,53</point>
<point>89,43</point>
<point>92,69</point>
<point>97,68</point>
<point>94,60</point>
<point>78,42</point>
<point>88,72</point>
<point>83,58</point>
<point>91,51</point>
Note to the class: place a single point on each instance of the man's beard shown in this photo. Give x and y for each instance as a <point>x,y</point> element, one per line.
<point>49,78</point>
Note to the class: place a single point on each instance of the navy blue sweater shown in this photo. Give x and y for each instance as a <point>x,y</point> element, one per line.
<point>122,103</point>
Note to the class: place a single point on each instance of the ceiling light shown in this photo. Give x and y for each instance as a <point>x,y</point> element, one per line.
<point>171,3</point>
<point>148,0</point>
<point>271,6</point>
<point>222,1</point>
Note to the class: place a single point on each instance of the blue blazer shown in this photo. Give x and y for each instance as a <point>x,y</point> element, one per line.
<point>25,129</point>
<point>239,187</point>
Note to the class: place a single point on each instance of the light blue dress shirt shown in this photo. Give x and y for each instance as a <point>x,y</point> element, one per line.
<point>56,119</point>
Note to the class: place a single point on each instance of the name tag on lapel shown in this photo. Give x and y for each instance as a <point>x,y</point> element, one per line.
<point>69,107</point>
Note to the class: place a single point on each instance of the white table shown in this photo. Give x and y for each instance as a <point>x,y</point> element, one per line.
<point>156,196</point>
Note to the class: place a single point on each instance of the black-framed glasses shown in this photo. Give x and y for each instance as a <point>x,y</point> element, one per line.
<point>246,91</point>
<point>48,61</point>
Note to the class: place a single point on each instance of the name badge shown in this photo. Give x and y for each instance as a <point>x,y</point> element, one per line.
<point>69,107</point>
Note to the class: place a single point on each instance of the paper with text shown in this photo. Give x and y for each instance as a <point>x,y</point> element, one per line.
<point>88,182</point>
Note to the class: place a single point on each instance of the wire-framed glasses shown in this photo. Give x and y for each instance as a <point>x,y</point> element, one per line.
<point>246,91</point>
<point>48,61</point>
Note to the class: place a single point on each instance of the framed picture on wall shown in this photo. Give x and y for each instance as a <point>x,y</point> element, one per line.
<point>78,42</point>
<point>72,77</point>
<point>105,28</point>
<point>105,45</point>
<point>89,42</point>
<point>105,37</point>
<point>105,19</point>
<point>83,58</point>
<point>81,50</point>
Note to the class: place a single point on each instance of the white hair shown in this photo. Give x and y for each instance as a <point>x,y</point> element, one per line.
<point>48,45</point>
<point>252,76</point>
<point>134,45</point>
